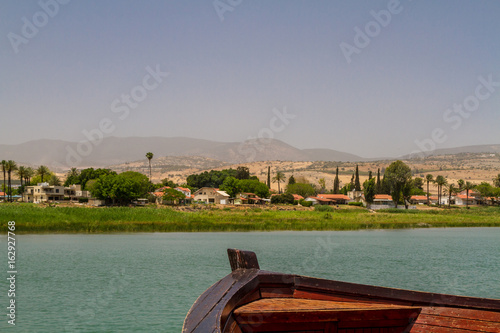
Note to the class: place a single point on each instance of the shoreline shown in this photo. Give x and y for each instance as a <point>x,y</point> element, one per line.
<point>32,219</point>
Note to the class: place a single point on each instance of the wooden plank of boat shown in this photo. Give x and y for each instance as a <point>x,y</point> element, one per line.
<point>254,300</point>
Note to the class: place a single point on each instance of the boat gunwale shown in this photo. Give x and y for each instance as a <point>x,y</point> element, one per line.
<point>246,281</point>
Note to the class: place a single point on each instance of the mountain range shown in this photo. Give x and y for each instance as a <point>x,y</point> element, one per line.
<point>114,150</point>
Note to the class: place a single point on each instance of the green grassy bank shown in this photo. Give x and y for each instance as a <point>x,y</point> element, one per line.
<point>31,218</point>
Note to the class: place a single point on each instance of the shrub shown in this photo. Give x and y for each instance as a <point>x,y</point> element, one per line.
<point>354,203</point>
<point>321,208</point>
<point>83,200</point>
<point>285,198</point>
<point>305,203</point>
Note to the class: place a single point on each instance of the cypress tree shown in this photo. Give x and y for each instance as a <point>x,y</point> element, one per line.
<point>357,185</point>
<point>378,186</point>
<point>370,175</point>
<point>336,182</point>
<point>269,177</point>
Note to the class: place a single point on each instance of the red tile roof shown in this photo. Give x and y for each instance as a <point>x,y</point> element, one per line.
<point>462,196</point>
<point>382,197</point>
<point>334,196</point>
<point>322,199</point>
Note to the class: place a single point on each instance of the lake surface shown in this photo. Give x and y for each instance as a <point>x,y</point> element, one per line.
<point>148,282</point>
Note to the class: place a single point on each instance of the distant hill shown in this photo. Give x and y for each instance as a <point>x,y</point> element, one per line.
<point>111,151</point>
<point>491,149</point>
<point>60,154</point>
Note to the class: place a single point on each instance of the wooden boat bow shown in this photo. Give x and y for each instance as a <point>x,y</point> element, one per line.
<point>253,300</point>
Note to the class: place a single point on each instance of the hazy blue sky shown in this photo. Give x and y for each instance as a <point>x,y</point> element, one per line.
<point>231,63</point>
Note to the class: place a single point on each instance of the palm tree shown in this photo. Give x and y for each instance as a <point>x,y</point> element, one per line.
<point>429,179</point>
<point>280,177</point>
<point>451,190</point>
<point>54,180</point>
<point>4,170</point>
<point>149,156</point>
<point>28,173</point>
<point>20,172</point>
<point>440,181</point>
<point>42,171</point>
<point>11,166</point>
<point>467,187</point>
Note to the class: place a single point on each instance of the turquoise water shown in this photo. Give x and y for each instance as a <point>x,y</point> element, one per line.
<point>147,282</point>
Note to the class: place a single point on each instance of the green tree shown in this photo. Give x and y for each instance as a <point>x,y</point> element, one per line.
<point>121,188</point>
<point>169,183</point>
<point>172,196</point>
<point>54,180</point>
<point>285,198</point>
<point>486,190</point>
<point>72,177</point>
<point>42,171</point>
<point>440,182</point>
<point>214,178</point>
<point>322,184</point>
<point>461,184</point>
<point>231,185</point>
<point>28,174</point>
<point>254,186</point>
<point>149,156</point>
<point>291,180</point>
<point>4,186</point>
<point>407,192</point>
<point>357,185</point>
<point>398,174</point>
<point>346,188</point>
<point>242,173</point>
<point>21,170</point>
<point>336,182</point>
<point>20,173</point>
<point>91,173</point>
<point>418,183</point>
<point>369,189</point>
<point>496,181</point>
<point>11,167</point>
<point>278,178</point>
<point>451,189</point>
<point>467,187</point>
<point>428,178</point>
<point>269,177</point>
<point>302,189</point>
<point>378,186</point>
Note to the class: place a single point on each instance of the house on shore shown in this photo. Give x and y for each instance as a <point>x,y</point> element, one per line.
<point>211,195</point>
<point>160,192</point>
<point>340,199</point>
<point>382,201</point>
<point>43,192</point>
<point>320,201</point>
<point>461,200</point>
<point>422,200</point>
<point>247,198</point>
